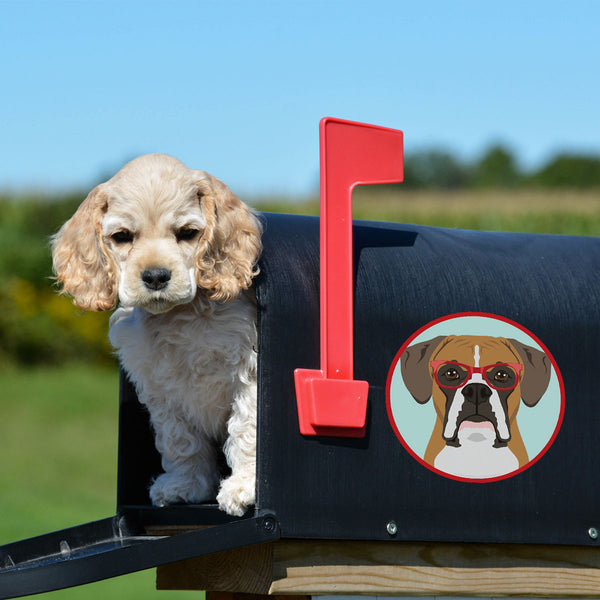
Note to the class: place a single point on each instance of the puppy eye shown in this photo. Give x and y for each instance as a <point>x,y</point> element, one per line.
<point>186,234</point>
<point>122,237</point>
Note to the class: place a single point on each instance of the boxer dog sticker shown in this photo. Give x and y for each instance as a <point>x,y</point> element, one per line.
<point>475,397</point>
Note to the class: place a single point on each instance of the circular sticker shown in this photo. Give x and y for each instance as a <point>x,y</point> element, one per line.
<point>475,397</point>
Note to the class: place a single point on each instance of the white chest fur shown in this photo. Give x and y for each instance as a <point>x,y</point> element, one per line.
<point>191,361</point>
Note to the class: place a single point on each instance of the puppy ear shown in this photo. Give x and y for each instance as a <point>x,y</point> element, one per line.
<point>230,245</point>
<point>536,372</point>
<point>81,260</point>
<point>414,363</point>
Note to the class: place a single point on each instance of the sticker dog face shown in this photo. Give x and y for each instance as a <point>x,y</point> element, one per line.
<point>477,384</point>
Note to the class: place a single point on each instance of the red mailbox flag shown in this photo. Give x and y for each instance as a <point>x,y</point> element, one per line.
<point>330,401</point>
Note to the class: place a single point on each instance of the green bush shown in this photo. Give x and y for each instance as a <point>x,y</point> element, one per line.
<point>36,325</point>
<point>26,225</point>
<point>39,327</point>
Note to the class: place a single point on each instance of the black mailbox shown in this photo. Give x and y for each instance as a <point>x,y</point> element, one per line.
<point>427,302</point>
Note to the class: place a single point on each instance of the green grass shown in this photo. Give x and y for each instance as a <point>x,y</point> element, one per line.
<point>59,463</point>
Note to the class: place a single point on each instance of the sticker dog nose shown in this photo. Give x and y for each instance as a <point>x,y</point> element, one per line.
<point>476,393</point>
<point>156,279</point>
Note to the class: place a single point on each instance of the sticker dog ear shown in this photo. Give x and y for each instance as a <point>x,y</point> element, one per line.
<point>537,371</point>
<point>414,363</point>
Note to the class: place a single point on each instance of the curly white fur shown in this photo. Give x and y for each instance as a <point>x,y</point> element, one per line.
<point>178,250</point>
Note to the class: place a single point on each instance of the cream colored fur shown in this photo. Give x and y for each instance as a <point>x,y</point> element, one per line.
<point>188,341</point>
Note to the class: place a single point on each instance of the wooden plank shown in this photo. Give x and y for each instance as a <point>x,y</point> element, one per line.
<point>245,570</point>
<point>393,568</point>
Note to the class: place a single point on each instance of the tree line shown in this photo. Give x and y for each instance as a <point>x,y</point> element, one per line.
<point>498,168</point>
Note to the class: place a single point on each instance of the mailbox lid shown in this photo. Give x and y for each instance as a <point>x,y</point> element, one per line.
<point>405,277</point>
<point>112,547</point>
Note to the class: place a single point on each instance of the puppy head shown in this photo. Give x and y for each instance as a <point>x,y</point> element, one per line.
<point>474,380</point>
<point>153,235</point>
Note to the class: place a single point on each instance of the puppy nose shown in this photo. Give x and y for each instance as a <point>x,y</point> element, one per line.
<point>476,393</point>
<point>156,279</point>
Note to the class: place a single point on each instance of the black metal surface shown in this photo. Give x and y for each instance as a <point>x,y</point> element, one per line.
<point>178,516</point>
<point>109,548</point>
<point>139,461</point>
<point>405,277</point>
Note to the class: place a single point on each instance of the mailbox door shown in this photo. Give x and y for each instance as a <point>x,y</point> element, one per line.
<point>113,547</point>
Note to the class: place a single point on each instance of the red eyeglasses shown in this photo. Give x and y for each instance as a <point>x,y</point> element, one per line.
<point>453,375</point>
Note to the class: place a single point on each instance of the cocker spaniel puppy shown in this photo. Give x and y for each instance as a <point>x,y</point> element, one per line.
<point>177,251</point>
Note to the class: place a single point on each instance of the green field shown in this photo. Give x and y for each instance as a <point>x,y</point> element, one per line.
<point>533,211</point>
<point>59,425</point>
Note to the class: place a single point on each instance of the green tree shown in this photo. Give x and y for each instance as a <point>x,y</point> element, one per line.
<point>434,169</point>
<point>497,168</point>
<point>569,171</point>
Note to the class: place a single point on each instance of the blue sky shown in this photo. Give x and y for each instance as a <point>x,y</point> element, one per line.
<point>237,88</point>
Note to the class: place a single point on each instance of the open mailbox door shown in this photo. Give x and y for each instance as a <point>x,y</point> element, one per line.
<point>113,547</point>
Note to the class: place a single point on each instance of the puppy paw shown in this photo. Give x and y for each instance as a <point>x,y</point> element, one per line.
<point>170,488</point>
<point>236,495</point>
